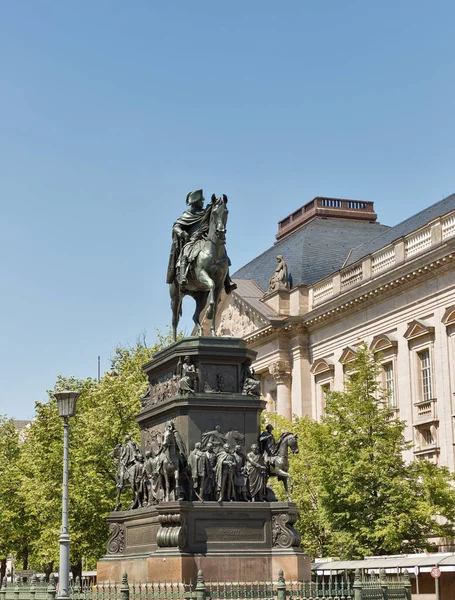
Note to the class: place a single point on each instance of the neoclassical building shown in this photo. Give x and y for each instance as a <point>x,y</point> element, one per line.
<point>350,279</point>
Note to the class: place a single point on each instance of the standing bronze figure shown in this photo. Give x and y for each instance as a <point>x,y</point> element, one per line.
<point>198,263</point>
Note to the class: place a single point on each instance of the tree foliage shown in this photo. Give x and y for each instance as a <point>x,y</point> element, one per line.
<point>105,414</point>
<point>357,495</point>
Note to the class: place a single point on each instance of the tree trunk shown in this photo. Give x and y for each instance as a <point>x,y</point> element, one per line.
<point>77,570</point>
<point>48,569</point>
<point>2,570</point>
<point>25,558</point>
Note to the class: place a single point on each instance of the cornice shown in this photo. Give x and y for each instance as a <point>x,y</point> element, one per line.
<point>352,300</point>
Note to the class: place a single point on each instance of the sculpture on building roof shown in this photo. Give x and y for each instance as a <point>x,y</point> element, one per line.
<point>198,262</point>
<point>280,279</point>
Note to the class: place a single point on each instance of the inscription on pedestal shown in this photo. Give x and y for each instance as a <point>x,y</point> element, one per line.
<point>142,535</point>
<point>212,531</point>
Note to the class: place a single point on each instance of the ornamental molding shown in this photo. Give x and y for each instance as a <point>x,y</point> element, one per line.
<point>348,355</point>
<point>351,303</point>
<point>116,541</point>
<point>383,342</point>
<point>418,328</point>
<point>283,533</point>
<point>448,318</point>
<point>322,365</point>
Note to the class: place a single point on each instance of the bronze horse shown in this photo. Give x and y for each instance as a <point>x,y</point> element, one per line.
<point>279,461</point>
<point>208,272</point>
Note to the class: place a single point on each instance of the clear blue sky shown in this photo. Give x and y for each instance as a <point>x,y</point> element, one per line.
<point>111,111</point>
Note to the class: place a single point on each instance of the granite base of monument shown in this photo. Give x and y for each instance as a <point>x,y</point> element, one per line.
<point>229,541</point>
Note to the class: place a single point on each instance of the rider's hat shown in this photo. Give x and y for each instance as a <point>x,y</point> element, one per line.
<point>194,197</point>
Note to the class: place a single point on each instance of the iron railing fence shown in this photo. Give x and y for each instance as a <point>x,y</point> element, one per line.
<point>363,587</point>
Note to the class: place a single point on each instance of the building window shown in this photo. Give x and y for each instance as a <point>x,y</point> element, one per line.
<point>390,384</point>
<point>325,388</point>
<point>425,375</point>
<point>428,438</point>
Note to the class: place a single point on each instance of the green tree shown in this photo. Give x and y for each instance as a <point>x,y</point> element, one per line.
<point>356,493</point>
<point>304,469</point>
<point>105,413</point>
<point>14,524</point>
<point>373,501</point>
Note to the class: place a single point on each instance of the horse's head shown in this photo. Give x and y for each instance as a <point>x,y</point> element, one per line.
<point>293,443</point>
<point>219,216</point>
<point>285,441</point>
<point>116,451</point>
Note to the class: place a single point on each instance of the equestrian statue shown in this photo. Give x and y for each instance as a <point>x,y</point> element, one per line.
<point>198,262</point>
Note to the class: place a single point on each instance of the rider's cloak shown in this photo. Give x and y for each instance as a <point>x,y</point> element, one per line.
<point>190,222</point>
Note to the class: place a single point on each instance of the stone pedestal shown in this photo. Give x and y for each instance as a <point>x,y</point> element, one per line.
<point>229,541</point>
<point>217,399</point>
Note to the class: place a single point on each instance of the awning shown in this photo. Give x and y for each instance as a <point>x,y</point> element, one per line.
<point>425,563</point>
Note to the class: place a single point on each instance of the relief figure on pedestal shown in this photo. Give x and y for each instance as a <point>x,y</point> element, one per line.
<point>139,482</point>
<point>256,475</point>
<point>126,459</point>
<point>173,465</point>
<point>196,461</point>
<point>209,482</point>
<point>189,377</point>
<point>153,481</point>
<point>278,461</point>
<point>251,386</point>
<point>240,478</point>
<point>215,437</point>
<point>225,474</point>
<point>267,442</point>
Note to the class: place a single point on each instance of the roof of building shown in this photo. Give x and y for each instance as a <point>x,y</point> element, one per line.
<point>18,424</point>
<point>404,228</point>
<point>318,248</point>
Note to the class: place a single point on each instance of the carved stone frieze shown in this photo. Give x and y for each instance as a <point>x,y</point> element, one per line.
<point>283,533</point>
<point>116,541</point>
<point>153,439</point>
<point>236,321</point>
<point>161,390</point>
<point>220,378</point>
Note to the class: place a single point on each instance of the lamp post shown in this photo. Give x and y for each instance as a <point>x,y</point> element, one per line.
<point>66,402</point>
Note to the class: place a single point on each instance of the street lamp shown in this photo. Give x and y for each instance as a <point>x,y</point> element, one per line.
<point>66,402</point>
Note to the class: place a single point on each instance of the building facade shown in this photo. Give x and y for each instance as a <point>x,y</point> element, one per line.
<point>351,280</point>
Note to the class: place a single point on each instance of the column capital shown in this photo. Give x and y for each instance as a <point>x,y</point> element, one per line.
<point>281,371</point>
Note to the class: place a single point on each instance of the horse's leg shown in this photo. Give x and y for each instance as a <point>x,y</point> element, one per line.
<point>216,295</point>
<point>210,284</point>
<point>166,485</point>
<point>119,504</point>
<point>286,478</point>
<point>200,299</point>
<point>287,483</point>
<point>176,485</point>
<point>176,306</point>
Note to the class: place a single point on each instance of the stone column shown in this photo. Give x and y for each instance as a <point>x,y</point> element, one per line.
<point>281,372</point>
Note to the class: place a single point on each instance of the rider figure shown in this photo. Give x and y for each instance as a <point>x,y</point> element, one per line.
<point>127,459</point>
<point>267,443</point>
<point>191,226</point>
